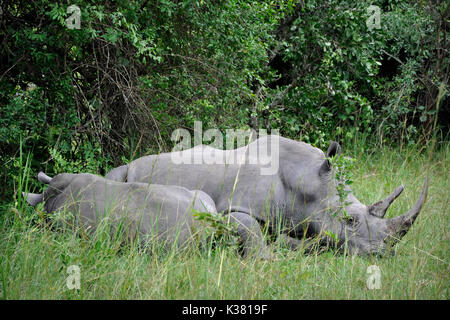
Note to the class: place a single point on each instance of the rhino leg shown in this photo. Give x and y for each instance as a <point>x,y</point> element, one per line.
<point>306,244</point>
<point>250,235</point>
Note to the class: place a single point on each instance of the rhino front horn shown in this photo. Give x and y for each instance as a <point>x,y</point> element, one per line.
<point>379,208</point>
<point>400,225</point>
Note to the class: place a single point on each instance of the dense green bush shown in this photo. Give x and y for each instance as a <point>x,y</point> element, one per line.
<point>347,79</point>
<point>86,99</point>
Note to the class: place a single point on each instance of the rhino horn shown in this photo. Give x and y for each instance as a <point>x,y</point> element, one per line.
<point>379,208</point>
<point>43,178</point>
<point>400,225</point>
<point>33,198</point>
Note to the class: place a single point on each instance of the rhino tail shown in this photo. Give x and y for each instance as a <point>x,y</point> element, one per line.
<point>118,174</point>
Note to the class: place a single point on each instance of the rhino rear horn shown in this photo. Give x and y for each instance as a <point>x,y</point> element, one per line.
<point>379,208</point>
<point>400,225</point>
<point>334,149</point>
<point>43,178</point>
<point>33,198</point>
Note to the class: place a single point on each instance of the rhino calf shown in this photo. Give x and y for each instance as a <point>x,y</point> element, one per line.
<point>145,211</point>
<point>148,211</point>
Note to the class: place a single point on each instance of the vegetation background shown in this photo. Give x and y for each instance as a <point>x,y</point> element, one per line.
<point>88,99</point>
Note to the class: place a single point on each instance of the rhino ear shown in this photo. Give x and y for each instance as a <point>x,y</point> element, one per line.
<point>333,150</point>
<point>43,178</point>
<point>33,198</point>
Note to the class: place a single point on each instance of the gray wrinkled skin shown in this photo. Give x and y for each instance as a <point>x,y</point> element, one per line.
<point>300,199</point>
<point>147,211</point>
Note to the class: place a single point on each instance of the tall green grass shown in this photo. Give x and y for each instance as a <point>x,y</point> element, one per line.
<point>34,258</point>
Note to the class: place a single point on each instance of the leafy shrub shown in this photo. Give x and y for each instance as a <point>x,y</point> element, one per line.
<point>83,99</point>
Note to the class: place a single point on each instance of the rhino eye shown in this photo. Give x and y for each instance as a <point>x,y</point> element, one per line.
<point>351,219</point>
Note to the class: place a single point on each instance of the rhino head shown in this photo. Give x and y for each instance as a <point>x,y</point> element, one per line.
<point>35,198</point>
<point>363,228</point>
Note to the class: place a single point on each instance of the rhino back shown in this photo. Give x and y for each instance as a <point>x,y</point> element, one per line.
<point>299,163</point>
<point>145,209</point>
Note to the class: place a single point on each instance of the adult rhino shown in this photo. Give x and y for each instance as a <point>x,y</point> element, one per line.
<point>299,199</point>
